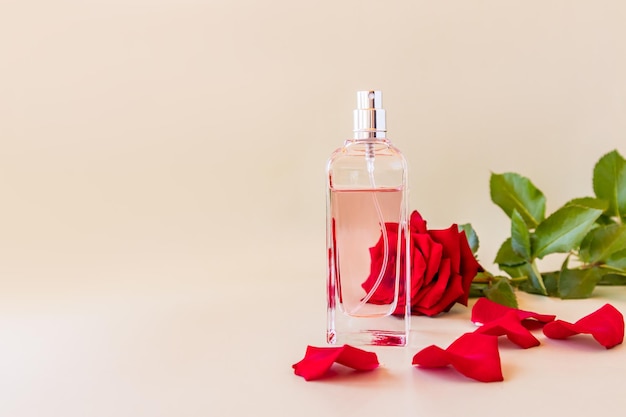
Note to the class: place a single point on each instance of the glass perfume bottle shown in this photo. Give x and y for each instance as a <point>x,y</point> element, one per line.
<point>367,230</point>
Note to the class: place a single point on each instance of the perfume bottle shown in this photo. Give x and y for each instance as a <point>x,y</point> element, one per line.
<point>367,234</point>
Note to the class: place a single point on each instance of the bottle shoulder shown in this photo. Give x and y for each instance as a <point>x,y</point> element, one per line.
<point>367,165</point>
<point>361,148</point>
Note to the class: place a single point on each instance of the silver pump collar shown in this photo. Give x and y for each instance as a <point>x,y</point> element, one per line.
<point>369,115</point>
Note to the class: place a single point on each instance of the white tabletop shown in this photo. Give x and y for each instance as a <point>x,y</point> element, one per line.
<point>224,346</point>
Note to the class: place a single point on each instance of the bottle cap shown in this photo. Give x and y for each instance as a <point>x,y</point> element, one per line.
<point>369,115</point>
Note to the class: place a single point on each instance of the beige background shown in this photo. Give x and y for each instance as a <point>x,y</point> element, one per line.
<point>162,174</point>
<point>178,146</point>
<point>170,138</point>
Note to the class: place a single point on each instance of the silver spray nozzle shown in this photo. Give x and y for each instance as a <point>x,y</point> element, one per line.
<point>369,116</point>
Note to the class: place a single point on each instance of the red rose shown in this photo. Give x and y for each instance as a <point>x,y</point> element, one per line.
<point>442,269</point>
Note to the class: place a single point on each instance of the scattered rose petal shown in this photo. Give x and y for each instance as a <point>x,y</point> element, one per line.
<point>486,310</point>
<point>606,325</point>
<point>473,355</point>
<point>511,326</point>
<point>318,360</point>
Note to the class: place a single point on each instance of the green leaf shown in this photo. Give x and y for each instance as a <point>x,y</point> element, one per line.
<point>472,237</point>
<point>536,279</point>
<point>502,293</point>
<point>534,284</point>
<point>609,182</point>
<point>520,237</point>
<point>603,242</point>
<point>612,279</point>
<point>551,280</point>
<point>578,283</point>
<point>480,283</point>
<point>511,191</point>
<point>506,255</point>
<point>527,286</point>
<point>590,202</point>
<point>515,272</point>
<point>618,260</point>
<point>604,219</point>
<point>563,230</point>
<point>477,289</point>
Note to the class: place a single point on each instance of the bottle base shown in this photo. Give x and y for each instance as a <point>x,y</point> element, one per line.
<point>380,330</point>
<point>368,337</point>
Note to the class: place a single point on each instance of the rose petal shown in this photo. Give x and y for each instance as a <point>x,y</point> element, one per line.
<point>418,270</point>
<point>606,325</point>
<point>453,293</point>
<point>448,298</point>
<point>486,310</point>
<point>469,268</point>
<point>449,238</point>
<point>318,360</point>
<point>386,291</point>
<point>430,251</point>
<point>510,326</point>
<point>417,223</point>
<point>433,293</point>
<point>473,355</point>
